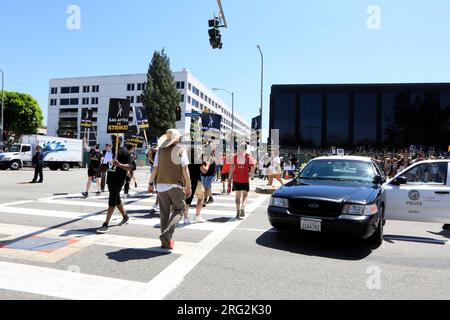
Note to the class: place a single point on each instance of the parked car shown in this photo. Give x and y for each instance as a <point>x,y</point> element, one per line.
<point>336,193</point>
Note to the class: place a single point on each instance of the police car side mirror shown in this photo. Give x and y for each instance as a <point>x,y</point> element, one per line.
<point>399,181</point>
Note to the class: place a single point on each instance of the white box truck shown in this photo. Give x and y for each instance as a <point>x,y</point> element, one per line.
<point>59,153</point>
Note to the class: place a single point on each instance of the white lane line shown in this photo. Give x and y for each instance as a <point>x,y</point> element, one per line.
<point>110,240</point>
<point>100,218</point>
<point>171,277</point>
<point>67,285</point>
<point>16,203</point>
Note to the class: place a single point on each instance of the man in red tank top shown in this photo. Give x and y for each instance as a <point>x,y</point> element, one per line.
<point>242,170</point>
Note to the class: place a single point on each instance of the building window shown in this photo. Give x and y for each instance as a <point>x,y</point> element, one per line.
<point>365,119</point>
<point>130,87</point>
<point>85,101</point>
<point>189,86</point>
<point>94,100</point>
<point>74,89</point>
<point>141,86</point>
<point>311,120</point>
<point>182,98</point>
<point>53,102</point>
<point>138,99</point>
<point>65,90</point>
<point>196,91</point>
<point>189,100</point>
<point>338,112</point>
<point>95,88</point>
<point>86,89</point>
<point>54,90</point>
<point>180,85</point>
<point>131,99</point>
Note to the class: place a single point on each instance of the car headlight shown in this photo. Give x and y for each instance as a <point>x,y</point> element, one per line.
<point>360,210</point>
<point>279,202</point>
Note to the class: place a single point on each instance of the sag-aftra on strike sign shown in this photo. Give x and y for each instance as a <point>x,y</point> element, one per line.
<point>118,116</point>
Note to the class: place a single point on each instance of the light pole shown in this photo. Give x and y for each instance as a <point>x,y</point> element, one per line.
<point>262,92</point>
<point>232,107</point>
<point>3,104</point>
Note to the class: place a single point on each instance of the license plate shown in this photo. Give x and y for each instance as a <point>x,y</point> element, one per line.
<point>311,225</point>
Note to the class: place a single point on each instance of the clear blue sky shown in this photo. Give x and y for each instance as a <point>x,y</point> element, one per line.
<point>304,41</point>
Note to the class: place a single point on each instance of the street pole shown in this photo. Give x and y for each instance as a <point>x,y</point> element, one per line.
<point>3,103</point>
<point>232,109</point>
<point>262,93</point>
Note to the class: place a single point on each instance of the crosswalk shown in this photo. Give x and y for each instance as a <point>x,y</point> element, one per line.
<point>40,240</point>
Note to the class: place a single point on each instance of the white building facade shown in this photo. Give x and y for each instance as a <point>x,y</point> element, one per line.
<point>69,96</point>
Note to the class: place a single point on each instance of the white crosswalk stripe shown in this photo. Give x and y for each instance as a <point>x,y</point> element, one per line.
<point>72,208</point>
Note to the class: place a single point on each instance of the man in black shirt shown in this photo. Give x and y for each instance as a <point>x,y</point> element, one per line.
<point>116,181</point>
<point>38,164</point>
<point>94,172</point>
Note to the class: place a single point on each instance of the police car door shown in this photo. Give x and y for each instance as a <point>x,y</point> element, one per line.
<point>424,198</point>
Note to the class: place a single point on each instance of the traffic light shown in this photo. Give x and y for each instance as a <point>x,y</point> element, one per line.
<point>215,38</point>
<point>178,113</point>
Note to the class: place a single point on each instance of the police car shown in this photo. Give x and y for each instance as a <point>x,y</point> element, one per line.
<point>420,193</point>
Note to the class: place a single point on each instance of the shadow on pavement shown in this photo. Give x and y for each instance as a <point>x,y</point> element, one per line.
<point>125,255</point>
<point>443,233</point>
<point>79,233</point>
<point>392,238</point>
<point>331,246</point>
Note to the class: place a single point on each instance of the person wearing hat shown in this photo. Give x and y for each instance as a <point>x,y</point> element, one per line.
<point>116,180</point>
<point>173,183</point>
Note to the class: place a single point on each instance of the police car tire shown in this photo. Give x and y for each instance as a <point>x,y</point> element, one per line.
<point>377,237</point>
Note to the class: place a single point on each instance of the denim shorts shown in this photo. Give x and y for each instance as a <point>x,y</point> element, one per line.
<point>207,181</point>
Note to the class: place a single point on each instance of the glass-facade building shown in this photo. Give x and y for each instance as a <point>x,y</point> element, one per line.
<point>376,116</point>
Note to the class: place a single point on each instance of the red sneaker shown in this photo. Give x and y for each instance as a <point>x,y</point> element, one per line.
<point>171,244</point>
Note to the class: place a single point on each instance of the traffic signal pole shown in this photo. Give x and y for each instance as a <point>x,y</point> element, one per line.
<point>222,14</point>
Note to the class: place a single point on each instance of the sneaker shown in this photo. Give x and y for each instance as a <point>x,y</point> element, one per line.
<point>242,214</point>
<point>85,194</point>
<point>204,204</point>
<point>124,221</point>
<point>155,208</point>
<point>238,215</point>
<point>166,244</point>
<point>210,200</point>
<point>103,229</point>
<point>199,219</point>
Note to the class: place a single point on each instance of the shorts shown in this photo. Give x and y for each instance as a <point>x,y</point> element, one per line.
<point>114,193</point>
<point>237,186</point>
<point>197,190</point>
<point>225,176</point>
<point>94,172</point>
<point>207,181</point>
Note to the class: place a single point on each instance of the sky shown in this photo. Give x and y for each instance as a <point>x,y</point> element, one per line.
<point>303,41</point>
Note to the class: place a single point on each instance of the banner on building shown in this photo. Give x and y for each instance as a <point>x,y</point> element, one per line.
<point>86,118</point>
<point>118,116</point>
<point>133,137</point>
<point>141,116</point>
<point>211,122</point>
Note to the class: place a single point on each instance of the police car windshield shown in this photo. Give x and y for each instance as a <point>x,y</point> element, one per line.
<point>338,170</point>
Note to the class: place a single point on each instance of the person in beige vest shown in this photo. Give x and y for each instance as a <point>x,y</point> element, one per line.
<point>173,184</point>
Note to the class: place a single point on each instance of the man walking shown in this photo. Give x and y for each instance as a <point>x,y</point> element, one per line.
<point>116,180</point>
<point>106,164</point>
<point>173,184</point>
<point>38,164</point>
<point>241,173</point>
<point>95,160</point>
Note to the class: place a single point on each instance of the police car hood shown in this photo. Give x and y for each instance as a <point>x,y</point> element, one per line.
<point>337,191</point>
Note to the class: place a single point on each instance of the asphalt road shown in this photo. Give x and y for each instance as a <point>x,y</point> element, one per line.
<point>49,250</point>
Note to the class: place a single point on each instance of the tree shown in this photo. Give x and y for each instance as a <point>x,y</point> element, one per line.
<point>160,96</point>
<point>22,115</point>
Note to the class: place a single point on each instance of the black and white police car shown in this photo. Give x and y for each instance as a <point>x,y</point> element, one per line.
<point>335,193</point>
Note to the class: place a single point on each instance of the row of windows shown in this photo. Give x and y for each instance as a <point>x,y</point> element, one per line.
<point>139,86</point>
<point>132,100</point>
<point>205,98</point>
<point>73,101</point>
<point>341,119</point>
<point>67,90</point>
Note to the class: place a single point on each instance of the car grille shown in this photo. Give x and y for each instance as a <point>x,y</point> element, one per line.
<point>315,208</point>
